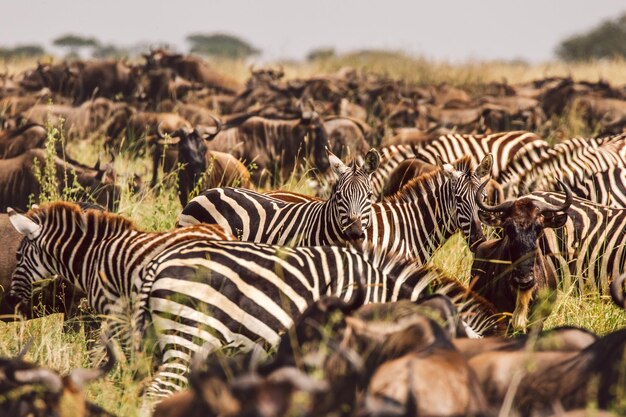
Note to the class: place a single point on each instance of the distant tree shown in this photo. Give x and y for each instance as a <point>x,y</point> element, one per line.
<point>22,51</point>
<point>75,43</point>
<point>220,44</point>
<point>321,53</point>
<point>606,40</point>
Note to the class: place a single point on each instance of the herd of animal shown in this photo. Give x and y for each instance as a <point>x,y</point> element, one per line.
<point>274,303</point>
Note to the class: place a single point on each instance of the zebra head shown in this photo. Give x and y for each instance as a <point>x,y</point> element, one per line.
<point>352,193</point>
<point>462,184</point>
<point>30,266</point>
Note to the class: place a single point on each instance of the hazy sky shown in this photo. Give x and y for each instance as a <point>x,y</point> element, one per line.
<point>442,29</point>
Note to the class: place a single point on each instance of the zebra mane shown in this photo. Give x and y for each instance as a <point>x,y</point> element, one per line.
<point>46,212</point>
<point>418,186</point>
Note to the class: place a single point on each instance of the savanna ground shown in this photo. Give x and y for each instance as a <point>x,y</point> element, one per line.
<point>120,391</point>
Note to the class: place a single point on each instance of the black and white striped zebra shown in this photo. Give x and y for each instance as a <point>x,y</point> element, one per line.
<point>425,212</point>
<point>607,188</point>
<point>194,290</point>
<point>512,152</point>
<point>255,217</point>
<point>575,161</point>
<point>590,250</point>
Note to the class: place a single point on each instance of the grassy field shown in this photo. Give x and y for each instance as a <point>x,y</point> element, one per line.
<point>119,392</point>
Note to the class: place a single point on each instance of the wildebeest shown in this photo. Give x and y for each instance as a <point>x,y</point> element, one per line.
<point>56,77</point>
<point>97,78</point>
<point>161,84</point>
<point>78,121</point>
<point>566,379</point>
<point>17,141</point>
<point>135,130</point>
<point>18,181</point>
<point>510,271</point>
<point>211,168</point>
<point>410,360</point>
<point>193,69</point>
<point>275,146</point>
<point>30,390</point>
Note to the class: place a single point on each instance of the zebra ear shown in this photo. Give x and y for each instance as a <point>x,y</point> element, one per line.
<point>484,168</point>
<point>335,163</point>
<point>23,224</point>
<point>447,169</point>
<point>372,160</point>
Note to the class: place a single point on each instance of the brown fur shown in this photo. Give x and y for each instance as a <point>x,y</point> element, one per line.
<point>17,180</point>
<point>18,141</point>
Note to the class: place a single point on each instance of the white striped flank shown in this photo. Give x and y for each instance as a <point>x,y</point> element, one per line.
<point>213,297</point>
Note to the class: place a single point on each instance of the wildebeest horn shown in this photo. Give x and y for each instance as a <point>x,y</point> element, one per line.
<point>357,300</point>
<point>80,377</point>
<point>298,379</point>
<point>50,379</point>
<point>218,127</point>
<point>96,167</point>
<point>568,200</point>
<point>175,134</point>
<point>484,207</point>
<point>160,133</point>
<point>618,292</point>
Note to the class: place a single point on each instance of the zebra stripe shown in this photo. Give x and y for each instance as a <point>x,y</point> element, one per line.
<point>589,251</point>
<point>258,218</point>
<point>607,188</point>
<point>195,291</point>
<point>574,161</point>
<point>424,213</point>
<point>513,152</point>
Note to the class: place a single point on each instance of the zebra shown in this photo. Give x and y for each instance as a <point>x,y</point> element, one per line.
<point>512,152</point>
<point>573,160</point>
<point>258,218</point>
<point>193,290</point>
<point>590,249</point>
<point>425,212</point>
<point>607,188</point>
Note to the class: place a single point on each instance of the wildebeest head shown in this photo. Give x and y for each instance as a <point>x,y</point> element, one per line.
<point>352,194</point>
<point>100,184</point>
<point>464,184</point>
<point>192,151</point>
<point>28,389</point>
<point>315,129</point>
<point>523,271</point>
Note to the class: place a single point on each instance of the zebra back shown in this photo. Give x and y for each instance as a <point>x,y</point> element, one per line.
<point>512,152</point>
<point>255,217</point>
<point>573,160</point>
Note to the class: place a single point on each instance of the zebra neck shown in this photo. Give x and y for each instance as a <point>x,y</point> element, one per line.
<point>108,264</point>
<point>328,223</point>
<point>428,217</point>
